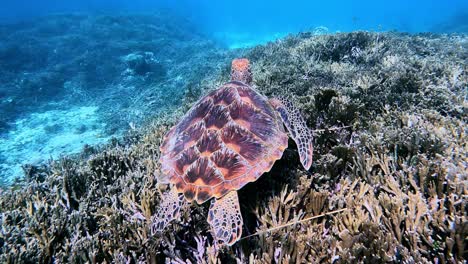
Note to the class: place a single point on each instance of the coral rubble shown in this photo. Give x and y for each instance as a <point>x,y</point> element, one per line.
<point>390,146</point>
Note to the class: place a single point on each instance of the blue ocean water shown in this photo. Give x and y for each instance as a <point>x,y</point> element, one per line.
<point>245,22</point>
<point>54,100</point>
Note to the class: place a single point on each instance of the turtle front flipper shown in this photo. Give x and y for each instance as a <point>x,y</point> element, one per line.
<point>297,128</point>
<point>225,219</point>
<point>169,209</point>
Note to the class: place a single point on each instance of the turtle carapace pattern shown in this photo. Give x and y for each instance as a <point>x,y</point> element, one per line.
<point>229,138</point>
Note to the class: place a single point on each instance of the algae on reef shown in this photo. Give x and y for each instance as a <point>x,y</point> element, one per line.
<point>391,147</point>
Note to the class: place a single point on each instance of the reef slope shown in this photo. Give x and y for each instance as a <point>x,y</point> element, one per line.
<point>71,80</point>
<point>390,146</point>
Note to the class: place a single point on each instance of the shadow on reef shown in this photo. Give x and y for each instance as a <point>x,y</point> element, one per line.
<point>390,116</point>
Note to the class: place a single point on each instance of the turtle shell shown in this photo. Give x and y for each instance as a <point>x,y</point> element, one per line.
<point>229,138</point>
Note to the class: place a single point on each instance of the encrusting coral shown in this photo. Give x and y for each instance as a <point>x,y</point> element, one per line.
<point>390,147</point>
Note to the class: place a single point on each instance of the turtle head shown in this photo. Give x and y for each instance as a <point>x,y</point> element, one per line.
<point>240,71</point>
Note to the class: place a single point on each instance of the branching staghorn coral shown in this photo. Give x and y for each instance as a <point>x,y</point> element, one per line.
<point>397,164</point>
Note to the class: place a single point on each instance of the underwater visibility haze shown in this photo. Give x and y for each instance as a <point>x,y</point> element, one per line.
<point>233,131</point>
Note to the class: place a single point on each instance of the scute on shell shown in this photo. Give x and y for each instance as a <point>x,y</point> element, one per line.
<point>228,139</point>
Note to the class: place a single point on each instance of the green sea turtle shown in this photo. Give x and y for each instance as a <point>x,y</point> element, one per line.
<point>229,138</point>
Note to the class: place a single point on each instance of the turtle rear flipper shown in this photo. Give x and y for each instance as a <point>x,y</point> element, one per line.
<point>169,209</point>
<point>297,128</point>
<point>225,219</point>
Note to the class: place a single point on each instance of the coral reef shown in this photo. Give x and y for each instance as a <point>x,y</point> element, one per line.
<point>390,113</point>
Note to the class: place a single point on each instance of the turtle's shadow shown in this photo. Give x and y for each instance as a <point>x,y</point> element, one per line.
<point>257,194</point>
